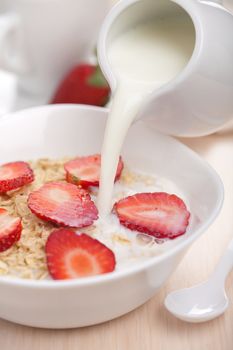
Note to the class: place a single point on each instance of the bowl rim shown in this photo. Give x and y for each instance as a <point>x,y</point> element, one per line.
<point>129,271</point>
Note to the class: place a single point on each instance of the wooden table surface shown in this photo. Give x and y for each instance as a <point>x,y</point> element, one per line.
<point>151,327</point>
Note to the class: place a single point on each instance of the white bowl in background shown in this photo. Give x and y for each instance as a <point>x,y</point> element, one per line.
<point>61,130</point>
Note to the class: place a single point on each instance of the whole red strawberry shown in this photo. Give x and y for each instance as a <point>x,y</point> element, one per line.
<point>85,84</point>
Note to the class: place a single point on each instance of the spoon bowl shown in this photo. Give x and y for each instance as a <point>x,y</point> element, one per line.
<point>197,304</point>
<point>204,301</point>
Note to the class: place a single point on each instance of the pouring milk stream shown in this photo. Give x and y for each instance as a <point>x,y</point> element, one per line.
<point>143,59</point>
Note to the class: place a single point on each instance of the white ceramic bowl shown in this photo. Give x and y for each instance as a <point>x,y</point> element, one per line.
<point>56,131</point>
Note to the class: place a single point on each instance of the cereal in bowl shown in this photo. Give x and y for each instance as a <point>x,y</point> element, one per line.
<point>49,224</point>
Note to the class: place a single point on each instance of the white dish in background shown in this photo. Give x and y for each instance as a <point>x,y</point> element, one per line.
<point>7,92</point>
<point>56,131</point>
<point>41,55</point>
<point>10,98</point>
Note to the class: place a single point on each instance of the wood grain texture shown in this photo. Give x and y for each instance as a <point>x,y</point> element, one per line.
<point>151,326</point>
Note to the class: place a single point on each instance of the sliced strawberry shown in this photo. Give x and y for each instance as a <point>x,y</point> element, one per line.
<point>15,175</point>
<point>63,204</point>
<point>72,256</point>
<point>158,214</point>
<point>85,171</point>
<point>84,84</point>
<point>10,230</point>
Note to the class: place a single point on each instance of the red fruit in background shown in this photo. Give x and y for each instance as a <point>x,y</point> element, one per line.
<point>10,230</point>
<point>64,204</point>
<point>73,256</point>
<point>85,171</point>
<point>85,84</point>
<point>15,175</point>
<point>159,214</point>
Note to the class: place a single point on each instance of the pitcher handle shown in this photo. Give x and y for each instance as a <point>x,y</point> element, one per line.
<point>12,47</point>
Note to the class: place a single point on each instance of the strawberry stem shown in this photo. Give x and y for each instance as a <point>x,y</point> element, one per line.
<point>97,78</point>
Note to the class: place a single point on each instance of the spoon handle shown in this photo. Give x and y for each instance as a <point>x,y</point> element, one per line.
<point>225,265</point>
<point>217,1</point>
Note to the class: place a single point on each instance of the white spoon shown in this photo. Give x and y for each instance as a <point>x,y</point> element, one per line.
<point>204,301</point>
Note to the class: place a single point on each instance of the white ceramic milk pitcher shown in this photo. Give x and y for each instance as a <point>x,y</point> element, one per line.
<point>199,100</point>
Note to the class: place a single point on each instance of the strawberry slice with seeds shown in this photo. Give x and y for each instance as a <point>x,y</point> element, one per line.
<point>159,214</point>
<point>15,175</point>
<point>73,256</point>
<point>10,230</point>
<point>85,171</point>
<point>64,204</point>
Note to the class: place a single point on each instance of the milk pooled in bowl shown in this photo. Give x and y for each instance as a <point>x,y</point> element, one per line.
<point>143,59</point>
